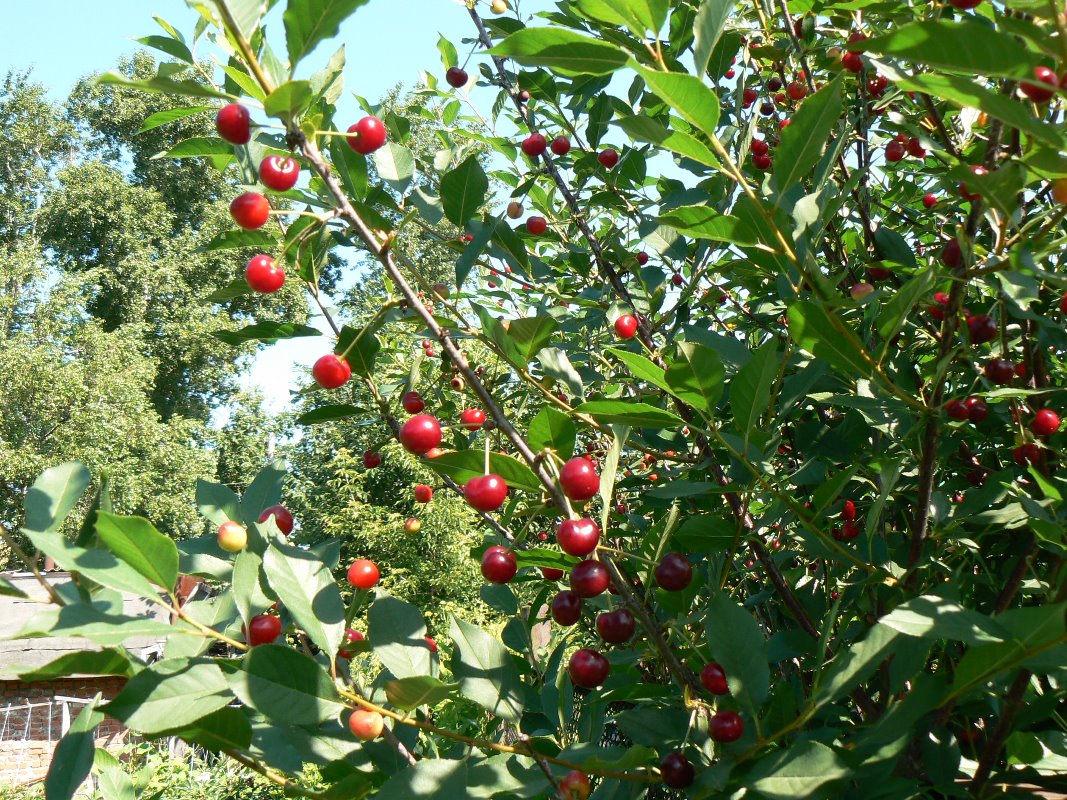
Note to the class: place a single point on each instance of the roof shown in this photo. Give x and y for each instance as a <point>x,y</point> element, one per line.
<point>22,655</point>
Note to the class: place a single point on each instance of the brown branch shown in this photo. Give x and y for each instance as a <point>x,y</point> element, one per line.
<point>995,743</point>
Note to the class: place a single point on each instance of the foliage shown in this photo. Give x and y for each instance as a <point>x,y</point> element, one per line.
<point>881,581</point>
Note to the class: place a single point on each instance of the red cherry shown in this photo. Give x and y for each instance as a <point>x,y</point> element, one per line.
<point>930,200</point>
<point>456,77</point>
<point>1020,369</point>
<point>1046,422</point>
<point>550,573</point>
<point>578,537</point>
<point>423,493</point>
<point>588,668</point>
<point>499,564</point>
<point>1028,453</point>
<point>965,4</point>
<point>981,328</point>
<point>713,676</point>
<point>977,410</point>
<point>1063,303</point>
<point>263,629</point>
<point>431,643</point>
<point>486,492</point>
<point>762,162</point>
<point>850,530</point>
<point>877,85</point>
<point>363,574</point>
<point>759,147</point>
<point>420,434</point>
<point>879,273</point>
<point>1045,88</point>
<point>676,279</point>
<point>279,173</point>
<point>727,726</point>
<point>642,258</point>
<point>894,151</point>
<point>472,418</point>
<point>952,254</point>
<point>536,225</point>
<point>676,771</point>
<point>616,627</point>
<point>534,145</point>
<point>849,510</point>
<point>853,62</point>
<point>966,193</point>
<point>575,785</point>
<point>250,210</point>
<point>233,124</point>
<point>578,479</point>
<point>749,95</point>
<point>264,275</point>
<point>367,135</point>
<point>608,157</point>
<point>561,145</point>
<point>730,73</point>
<point>371,459</point>
<point>626,326</point>
<point>957,409</point>
<point>412,402</point>
<point>999,371</point>
<point>589,578</point>
<point>566,608</point>
<point>331,371</point>
<point>796,90</point>
<point>283,518</point>
<point>915,148</point>
<point>674,572</point>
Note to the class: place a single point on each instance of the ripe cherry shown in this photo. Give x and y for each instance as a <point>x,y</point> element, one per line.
<point>367,135</point>
<point>589,578</point>
<point>499,564</point>
<point>575,785</point>
<point>420,434</point>
<point>915,148</point>
<point>412,402</point>
<point>894,151</point>
<point>674,572</point>
<point>965,4</point>
<point>977,410</point>
<point>371,459</point>
<point>1045,88</point>
<point>727,726</point>
<point>561,145</point>
<point>366,725</point>
<point>608,157</point>
<point>486,492</point>
<point>283,518</point>
<point>642,258</point>
<point>796,90</point>
<point>250,210</point>
<point>551,573</point>
<point>279,173</point>
<point>578,479</point>
<point>363,574</point>
<point>331,371</point>
<point>965,192</point>
<point>759,147</point>
<point>534,145</point>
<point>263,629</point>
<point>264,275</point>
<point>566,608</point>
<point>848,511</point>
<point>957,409</point>
<point>981,328</point>
<point>999,371</point>
<point>472,418</point>
<point>616,627</point>
<point>233,124</point>
<point>952,254</point>
<point>1046,422</point>
<point>578,537</point>
<point>853,62</point>
<point>588,668</point>
<point>456,77</point>
<point>676,771</point>
<point>423,493</point>
<point>762,162</point>
<point>713,677</point>
<point>626,326</point>
<point>536,225</point>
<point>1028,453</point>
<point>930,200</point>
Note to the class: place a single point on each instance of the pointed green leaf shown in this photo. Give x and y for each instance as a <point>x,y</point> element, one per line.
<point>170,694</point>
<point>308,22</point>
<point>696,376</point>
<point>640,16</point>
<point>309,593</point>
<point>802,142</point>
<point>108,661</point>
<point>137,542</point>
<point>97,564</point>
<point>286,686</point>
<point>688,96</point>
<point>823,334</point>
<point>486,672</point>
<point>552,429</point>
<point>397,634</point>
<point>562,51</point>
<point>737,642</point>
<point>624,412</point>
<point>707,28</point>
<point>463,191</point>
<point>53,495</point>
<point>216,502</point>
<point>418,690</point>
<point>750,390</point>
<point>73,756</point>
<point>268,332</point>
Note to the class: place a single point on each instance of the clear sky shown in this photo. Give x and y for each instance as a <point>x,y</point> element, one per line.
<point>387,42</point>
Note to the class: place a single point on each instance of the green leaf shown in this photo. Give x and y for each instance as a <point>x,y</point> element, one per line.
<point>264,491</point>
<point>396,632</point>
<point>165,44</point>
<point>801,771</point>
<point>112,780</point>
<point>707,28</point>
<point>308,22</point>
<point>351,166</point>
<point>238,287</point>
<point>554,430</point>
<point>200,146</point>
<point>463,191</point>
<point>695,103</point>
<point>73,756</point>
<point>958,45</point>
<point>108,661</point>
<point>363,348</point>
<point>162,85</point>
<point>696,376</point>
<point>705,533</point>
<point>750,390</point>
<point>203,556</point>
<point>802,142</point>
<point>96,564</point>
<point>329,414</point>
<point>246,13</point>
<point>640,16</point>
<point>419,690</point>
<point>636,415</point>
<point>137,542</point>
<point>225,729</point>
<point>53,495</point>
<point>307,589</point>
<point>557,364</point>
<point>562,51</point>
<point>855,663</point>
<point>170,694</point>
<point>449,56</point>
<point>462,465</point>
<point>642,368</point>
<point>487,675</point>
<point>736,642</point>
<point>933,617</point>
<point>217,503</point>
<point>396,165</point>
<point>227,240</point>
<point>268,332</point>
<point>289,99</point>
<point>646,129</point>
<point>530,334</point>
<point>169,115</point>
<point>286,686</point>
<point>897,309</point>
<point>703,222</point>
<point>430,777</point>
<point>823,334</point>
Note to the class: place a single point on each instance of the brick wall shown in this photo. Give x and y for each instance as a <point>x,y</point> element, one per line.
<point>29,735</point>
